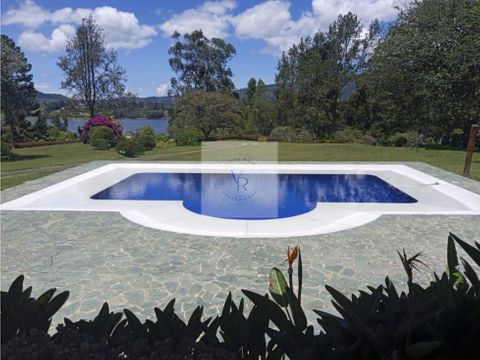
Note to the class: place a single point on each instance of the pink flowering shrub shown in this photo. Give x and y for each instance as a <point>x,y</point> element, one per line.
<point>99,121</point>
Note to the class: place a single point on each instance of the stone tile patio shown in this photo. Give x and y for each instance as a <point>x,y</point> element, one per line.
<point>104,257</point>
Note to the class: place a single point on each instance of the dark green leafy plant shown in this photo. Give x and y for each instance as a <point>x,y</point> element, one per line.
<point>129,147</point>
<point>21,313</point>
<point>100,144</point>
<point>6,151</point>
<point>169,325</point>
<point>187,137</point>
<point>146,137</point>
<point>101,327</point>
<point>102,136</point>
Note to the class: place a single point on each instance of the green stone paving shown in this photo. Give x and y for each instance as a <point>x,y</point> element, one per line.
<point>103,257</point>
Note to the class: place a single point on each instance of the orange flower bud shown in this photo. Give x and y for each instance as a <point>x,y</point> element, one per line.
<point>292,254</point>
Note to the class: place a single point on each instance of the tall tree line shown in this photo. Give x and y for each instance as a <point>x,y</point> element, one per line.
<point>422,74</point>
<point>312,75</point>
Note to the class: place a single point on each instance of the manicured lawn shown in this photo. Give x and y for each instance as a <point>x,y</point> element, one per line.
<point>41,161</point>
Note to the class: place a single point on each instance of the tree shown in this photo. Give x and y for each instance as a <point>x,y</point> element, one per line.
<point>319,68</point>
<point>200,63</point>
<point>57,121</point>
<point>261,112</point>
<point>91,71</point>
<point>250,91</point>
<point>290,111</point>
<point>18,90</point>
<point>425,74</point>
<point>209,112</point>
<point>40,128</point>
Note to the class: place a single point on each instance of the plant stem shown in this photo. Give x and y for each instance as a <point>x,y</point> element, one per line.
<point>290,276</point>
<point>410,314</point>
<point>288,315</point>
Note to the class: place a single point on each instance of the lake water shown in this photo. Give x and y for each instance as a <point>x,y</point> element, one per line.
<point>158,125</point>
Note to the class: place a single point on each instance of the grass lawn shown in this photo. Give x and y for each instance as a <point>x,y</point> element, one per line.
<point>41,161</point>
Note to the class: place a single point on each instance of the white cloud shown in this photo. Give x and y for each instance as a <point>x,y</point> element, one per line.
<point>162,90</point>
<point>43,86</point>
<point>213,18</point>
<point>35,41</point>
<point>272,21</point>
<point>27,14</point>
<point>122,29</point>
<point>263,20</point>
<point>328,10</point>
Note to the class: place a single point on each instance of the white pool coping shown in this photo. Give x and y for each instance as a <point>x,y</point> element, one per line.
<point>434,197</point>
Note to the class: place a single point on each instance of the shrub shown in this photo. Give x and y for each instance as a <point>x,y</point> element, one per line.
<point>368,139</point>
<point>457,138</point>
<point>54,134</point>
<point>262,138</point>
<point>102,137</point>
<point>354,136</point>
<point>282,134</point>
<point>288,134</point>
<point>429,141</point>
<point>162,141</point>
<point>100,144</point>
<point>129,146</point>
<point>303,136</point>
<point>162,137</point>
<point>6,151</point>
<point>407,139</point>
<point>347,135</point>
<point>6,134</point>
<point>99,121</point>
<point>249,137</point>
<point>187,137</point>
<point>146,137</point>
<point>66,135</point>
<point>324,141</point>
<point>40,128</point>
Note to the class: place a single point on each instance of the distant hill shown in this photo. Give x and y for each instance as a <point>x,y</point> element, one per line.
<point>346,93</point>
<point>165,100</point>
<point>43,97</point>
<point>271,89</point>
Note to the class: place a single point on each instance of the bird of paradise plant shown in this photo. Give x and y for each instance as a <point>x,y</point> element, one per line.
<point>283,294</point>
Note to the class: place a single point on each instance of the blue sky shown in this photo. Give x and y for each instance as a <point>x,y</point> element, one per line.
<point>140,32</point>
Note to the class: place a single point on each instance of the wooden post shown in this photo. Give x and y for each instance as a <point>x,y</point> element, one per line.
<point>472,139</point>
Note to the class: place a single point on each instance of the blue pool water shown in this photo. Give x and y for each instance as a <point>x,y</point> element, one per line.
<point>238,195</point>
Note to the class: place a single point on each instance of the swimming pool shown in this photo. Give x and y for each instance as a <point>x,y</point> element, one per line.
<point>253,200</point>
<point>251,196</point>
